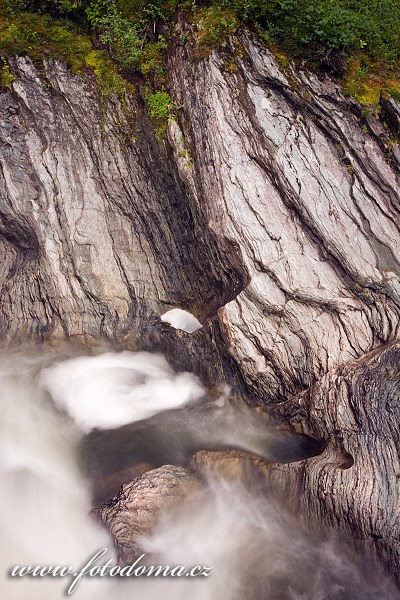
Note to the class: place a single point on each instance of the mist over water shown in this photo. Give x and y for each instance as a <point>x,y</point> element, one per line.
<point>45,500</point>
<point>48,462</point>
<point>258,551</point>
<point>111,390</point>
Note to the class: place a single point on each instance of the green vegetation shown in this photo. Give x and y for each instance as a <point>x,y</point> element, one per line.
<point>185,153</point>
<point>42,36</point>
<point>60,28</point>
<point>128,29</point>
<point>95,12</point>
<point>109,80</point>
<point>315,27</point>
<point>6,77</point>
<point>160,108</point>
<point>160,105</point>
<point>364,81</point>
<point>122,37</point>
<point>127,45</point>
<point>215,25</point>
<point>357,39</point>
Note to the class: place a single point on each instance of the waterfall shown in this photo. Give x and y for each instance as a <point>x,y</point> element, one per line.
<point>256,550</point>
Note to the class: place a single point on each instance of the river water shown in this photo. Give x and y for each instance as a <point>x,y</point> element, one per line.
<point>70,421</point>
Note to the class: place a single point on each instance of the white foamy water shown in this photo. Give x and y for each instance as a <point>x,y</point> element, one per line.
<point>111,390</point>
<point>44,500</point>
<point>256,550</point>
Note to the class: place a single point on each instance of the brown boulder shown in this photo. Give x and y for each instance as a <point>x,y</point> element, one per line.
<point>137,507</point>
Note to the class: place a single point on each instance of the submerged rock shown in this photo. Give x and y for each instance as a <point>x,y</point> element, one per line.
<point>136,509</point>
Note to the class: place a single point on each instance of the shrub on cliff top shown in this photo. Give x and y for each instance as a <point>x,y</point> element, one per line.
<point>306,27</point>
<point>329,31</point>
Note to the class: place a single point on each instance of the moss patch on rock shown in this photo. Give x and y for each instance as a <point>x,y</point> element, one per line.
<point>40,36</point>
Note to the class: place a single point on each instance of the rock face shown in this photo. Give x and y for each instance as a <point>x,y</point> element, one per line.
<point>282,165</point>
<point>96,230</point>
<point>270,214</point>
<point>134,511</point>
<point>137,508</point>
<point>356,408</point>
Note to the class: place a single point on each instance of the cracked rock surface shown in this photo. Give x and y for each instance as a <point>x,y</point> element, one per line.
<point>269,213</point>
<point>281,164</point>
<point>354,484</point>
<point>134,511</point>
<point>96,232</point>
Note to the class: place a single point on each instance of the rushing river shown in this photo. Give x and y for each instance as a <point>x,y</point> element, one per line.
<point>68,423</point>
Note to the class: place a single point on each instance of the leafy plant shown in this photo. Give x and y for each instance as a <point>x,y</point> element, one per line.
<point>128,42</point>
<point>95,11</point>
<point>151,58</point>
<point>14,7</point>
<point>122,38</point>
<point>160,105</point>
<point>306,27</point>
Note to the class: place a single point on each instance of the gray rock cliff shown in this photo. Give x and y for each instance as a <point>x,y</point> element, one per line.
<point>268,212</point>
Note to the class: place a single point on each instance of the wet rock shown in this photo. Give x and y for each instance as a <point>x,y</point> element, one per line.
<point>135,510</point>
<point>232,464</point>
<point>353,485</point>
<point>107,487</point>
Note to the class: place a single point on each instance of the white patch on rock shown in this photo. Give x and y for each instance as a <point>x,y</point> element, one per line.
<point>181,319</point>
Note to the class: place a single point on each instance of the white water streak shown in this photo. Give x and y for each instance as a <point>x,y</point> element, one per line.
<point>112,390</point>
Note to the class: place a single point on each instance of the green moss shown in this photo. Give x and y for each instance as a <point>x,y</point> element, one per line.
<point>281,57</point>
<point>392,88</point>
<point>160,105</point>
<point>185,152</point>
<point>6,77</point>
<point>214,26</point>
<point>109,80</point>
<point>160,108</point>
<point>366,83</point>
<point>40,37</point>
<point>229,66</point>
<point>365,92</point>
